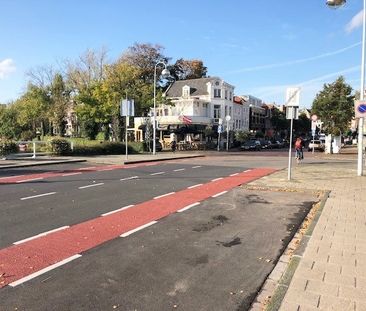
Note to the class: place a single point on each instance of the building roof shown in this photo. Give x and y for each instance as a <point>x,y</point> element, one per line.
<point>197,87</point>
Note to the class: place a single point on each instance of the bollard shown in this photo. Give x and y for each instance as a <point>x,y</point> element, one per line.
<point>34,150</point>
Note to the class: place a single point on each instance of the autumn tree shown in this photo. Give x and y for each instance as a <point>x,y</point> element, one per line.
<point>334,106</point>
<point>188,69</point>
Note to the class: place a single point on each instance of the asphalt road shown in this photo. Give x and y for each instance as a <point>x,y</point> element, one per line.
<point>213,256</point>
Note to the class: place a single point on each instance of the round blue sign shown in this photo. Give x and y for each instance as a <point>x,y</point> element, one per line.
<point>362,108</point>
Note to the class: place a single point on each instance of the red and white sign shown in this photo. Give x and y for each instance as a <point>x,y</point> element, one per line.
<point>314,117</point>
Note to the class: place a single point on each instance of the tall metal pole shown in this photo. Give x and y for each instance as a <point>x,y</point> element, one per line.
<point>362,91</point>
<point>128,112</point>
<point>154,111</point>
<point>290,148</point>
<point>227,135</point>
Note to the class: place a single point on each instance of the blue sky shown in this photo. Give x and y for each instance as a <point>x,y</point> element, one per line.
<point>261,47</point>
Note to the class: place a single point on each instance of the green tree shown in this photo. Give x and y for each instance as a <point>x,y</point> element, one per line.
<point>59,103</point>
<point>302,125</point>
<point>9,126</point>
<point>242,136</point>
<point>278,120</point>
<point>335,107</point>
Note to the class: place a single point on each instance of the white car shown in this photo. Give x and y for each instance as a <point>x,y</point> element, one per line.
<point>316,145</point>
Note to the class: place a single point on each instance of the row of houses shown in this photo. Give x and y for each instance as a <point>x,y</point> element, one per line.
<point>203,103</point>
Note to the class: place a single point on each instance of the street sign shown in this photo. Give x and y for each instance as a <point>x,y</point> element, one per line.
<point>227,118</point>
<point>313,125</point>
<point>219,129</point>
<point>127,108</point>
<point>292,97</point>
<point>292,113</point>
<point>314,117</point>
<point>360,108</point>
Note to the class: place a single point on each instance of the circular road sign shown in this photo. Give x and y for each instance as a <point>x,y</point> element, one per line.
<point>361,108</point>
<point>227,118</point>
<point>314,117</point>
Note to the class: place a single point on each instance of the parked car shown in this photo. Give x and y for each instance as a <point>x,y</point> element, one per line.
<point>251,145</point>
<point>316,144</point>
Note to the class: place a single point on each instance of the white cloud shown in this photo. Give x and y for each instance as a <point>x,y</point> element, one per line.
<point>7,66</point>
<point>355,22</point>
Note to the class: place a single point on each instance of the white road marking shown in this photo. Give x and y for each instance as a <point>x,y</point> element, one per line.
<point>131,166</point>
<point>179,169</point>
<point>49,268</point>
<point>234,174</point>
<point>92,185</point>
<point>163,195</point>
<point>87,168</point>
<point>158,173</point>
<point>218,194</point>
<point>246,171</point>
<point>71,174</point>
<point>196,166</point>
<point>138,228</point>
<point>188,207</point>
<point>194,186</point>
<point>38,196</point>
<point>129,178</point>
<point>39,235</point>
<point>17,176</point>
<point>106,169</point>
<point>217,179</point>
<point>117,210</point>
<point>25,180</point>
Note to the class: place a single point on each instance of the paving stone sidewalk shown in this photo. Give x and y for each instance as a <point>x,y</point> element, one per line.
<point>331,274</point>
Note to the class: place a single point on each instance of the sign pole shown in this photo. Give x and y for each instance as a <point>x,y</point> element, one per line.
<point>126,143</point>
<point>218,142</point>
<point>290,149</point>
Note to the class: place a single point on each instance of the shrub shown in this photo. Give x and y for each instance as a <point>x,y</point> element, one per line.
<point>7,146</point>
<point>94,148</point>
<point>60,146</point>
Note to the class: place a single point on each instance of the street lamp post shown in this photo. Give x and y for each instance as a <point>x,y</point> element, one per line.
<point>165,73</point>
<point>335,4</point>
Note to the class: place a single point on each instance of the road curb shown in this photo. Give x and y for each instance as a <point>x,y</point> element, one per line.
<point>163,159</point>
<point>42,163</point>
<point>276,285</point>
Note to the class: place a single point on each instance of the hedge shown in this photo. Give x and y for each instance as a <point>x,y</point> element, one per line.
<point>7,146</point>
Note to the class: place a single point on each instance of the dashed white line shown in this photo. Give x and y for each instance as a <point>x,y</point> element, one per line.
<point>179,169</point>
<point>39,235</point>
<point>163,195</point>
<point>234,174</point>
<point>197,166</point>
<point>106,169</point>
<point>38,196</point>
<point>25,180</point>
<point>194,186</point>
<point>187,207</point>
<point>246,171</point>
<point>71,174</point>
<point>158,173</point>
<point>129,178</point>
<point>216,179</point>
<point>92,185</point>
<point>40,272</point>
<point>138,228</point>
<point>117,210</point>
<point>218,194</point>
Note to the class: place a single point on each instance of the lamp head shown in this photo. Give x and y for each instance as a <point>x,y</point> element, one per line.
<point>165,73</point>
<point>335,3</point>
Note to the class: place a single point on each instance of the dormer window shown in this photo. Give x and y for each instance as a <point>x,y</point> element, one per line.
<point>186,91</point>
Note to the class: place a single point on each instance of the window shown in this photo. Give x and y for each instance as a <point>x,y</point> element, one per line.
<point>217,93</point>
<point>186,91</point>
<point>217,111</point>
<point>225,94</point>
<point>231,95</point>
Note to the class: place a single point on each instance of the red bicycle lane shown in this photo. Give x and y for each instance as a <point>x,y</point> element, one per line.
<point>19,262</point>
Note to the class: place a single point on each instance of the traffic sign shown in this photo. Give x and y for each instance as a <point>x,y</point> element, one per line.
<point>219,129</point>
<point>360,108</point>
<point>314,117</point>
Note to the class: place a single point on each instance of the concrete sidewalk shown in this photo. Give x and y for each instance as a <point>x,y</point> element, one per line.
<point>331,274</point>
